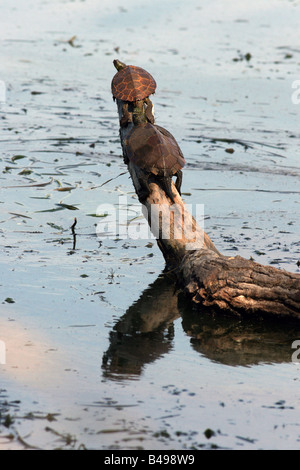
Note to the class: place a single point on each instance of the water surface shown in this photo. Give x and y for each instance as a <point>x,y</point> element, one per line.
<point>101,351</point>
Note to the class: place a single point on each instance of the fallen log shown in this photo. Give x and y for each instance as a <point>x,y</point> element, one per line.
<point>222,283</point>
<point>237,285</point>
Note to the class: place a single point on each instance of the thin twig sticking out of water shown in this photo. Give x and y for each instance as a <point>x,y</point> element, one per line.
<point>74,233</point>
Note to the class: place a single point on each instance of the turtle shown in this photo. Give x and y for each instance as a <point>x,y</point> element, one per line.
<point>133,85</point>
<point>155,151</point>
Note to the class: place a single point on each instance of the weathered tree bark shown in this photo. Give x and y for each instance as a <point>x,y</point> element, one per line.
<point>237,285</point>
<point>222,283</point>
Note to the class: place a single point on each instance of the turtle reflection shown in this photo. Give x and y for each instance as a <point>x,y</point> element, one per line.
<point>145,333</point>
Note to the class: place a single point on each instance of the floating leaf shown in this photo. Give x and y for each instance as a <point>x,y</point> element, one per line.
<point>71,41</point>
<point>65,188</point>
<point>60,207</point>
<point>17,157</point>
<point>19,215</point>
<point>26,171</point>
<point>68,206</point>
<point>41,197</point>
<point>35,185</point>
<point>110,179</point>
<point>57,227</point>
<point>7,169</point>
<point>51,210</point>
<point>97,215</point>
<point>208,433</point>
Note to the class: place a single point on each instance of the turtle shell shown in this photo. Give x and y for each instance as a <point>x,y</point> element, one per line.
<point>154,149</point>
<point>132,83</point>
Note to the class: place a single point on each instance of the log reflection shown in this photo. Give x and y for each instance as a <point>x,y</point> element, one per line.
<point>239,342</point>
<point>145,333</point>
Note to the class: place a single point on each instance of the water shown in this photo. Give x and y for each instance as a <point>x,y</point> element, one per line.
<point>100,351</point>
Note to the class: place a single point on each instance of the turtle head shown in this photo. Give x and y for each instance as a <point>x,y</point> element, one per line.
<point>119,65</point>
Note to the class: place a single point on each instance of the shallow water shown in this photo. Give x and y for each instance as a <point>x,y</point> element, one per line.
<point>101,352</point>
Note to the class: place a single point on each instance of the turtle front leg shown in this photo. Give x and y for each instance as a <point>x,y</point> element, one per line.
<point>178,181</point>
<point>149,110</point>
<point>126,116</point>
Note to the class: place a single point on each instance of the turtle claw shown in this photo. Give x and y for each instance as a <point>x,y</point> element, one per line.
<point>167,187</point>
<point>178,181</point>
<point>167,183</point>
<point>149,110</point>
<point>149,116</point>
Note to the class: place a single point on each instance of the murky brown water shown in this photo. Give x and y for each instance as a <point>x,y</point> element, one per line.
<point>100,351</point>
